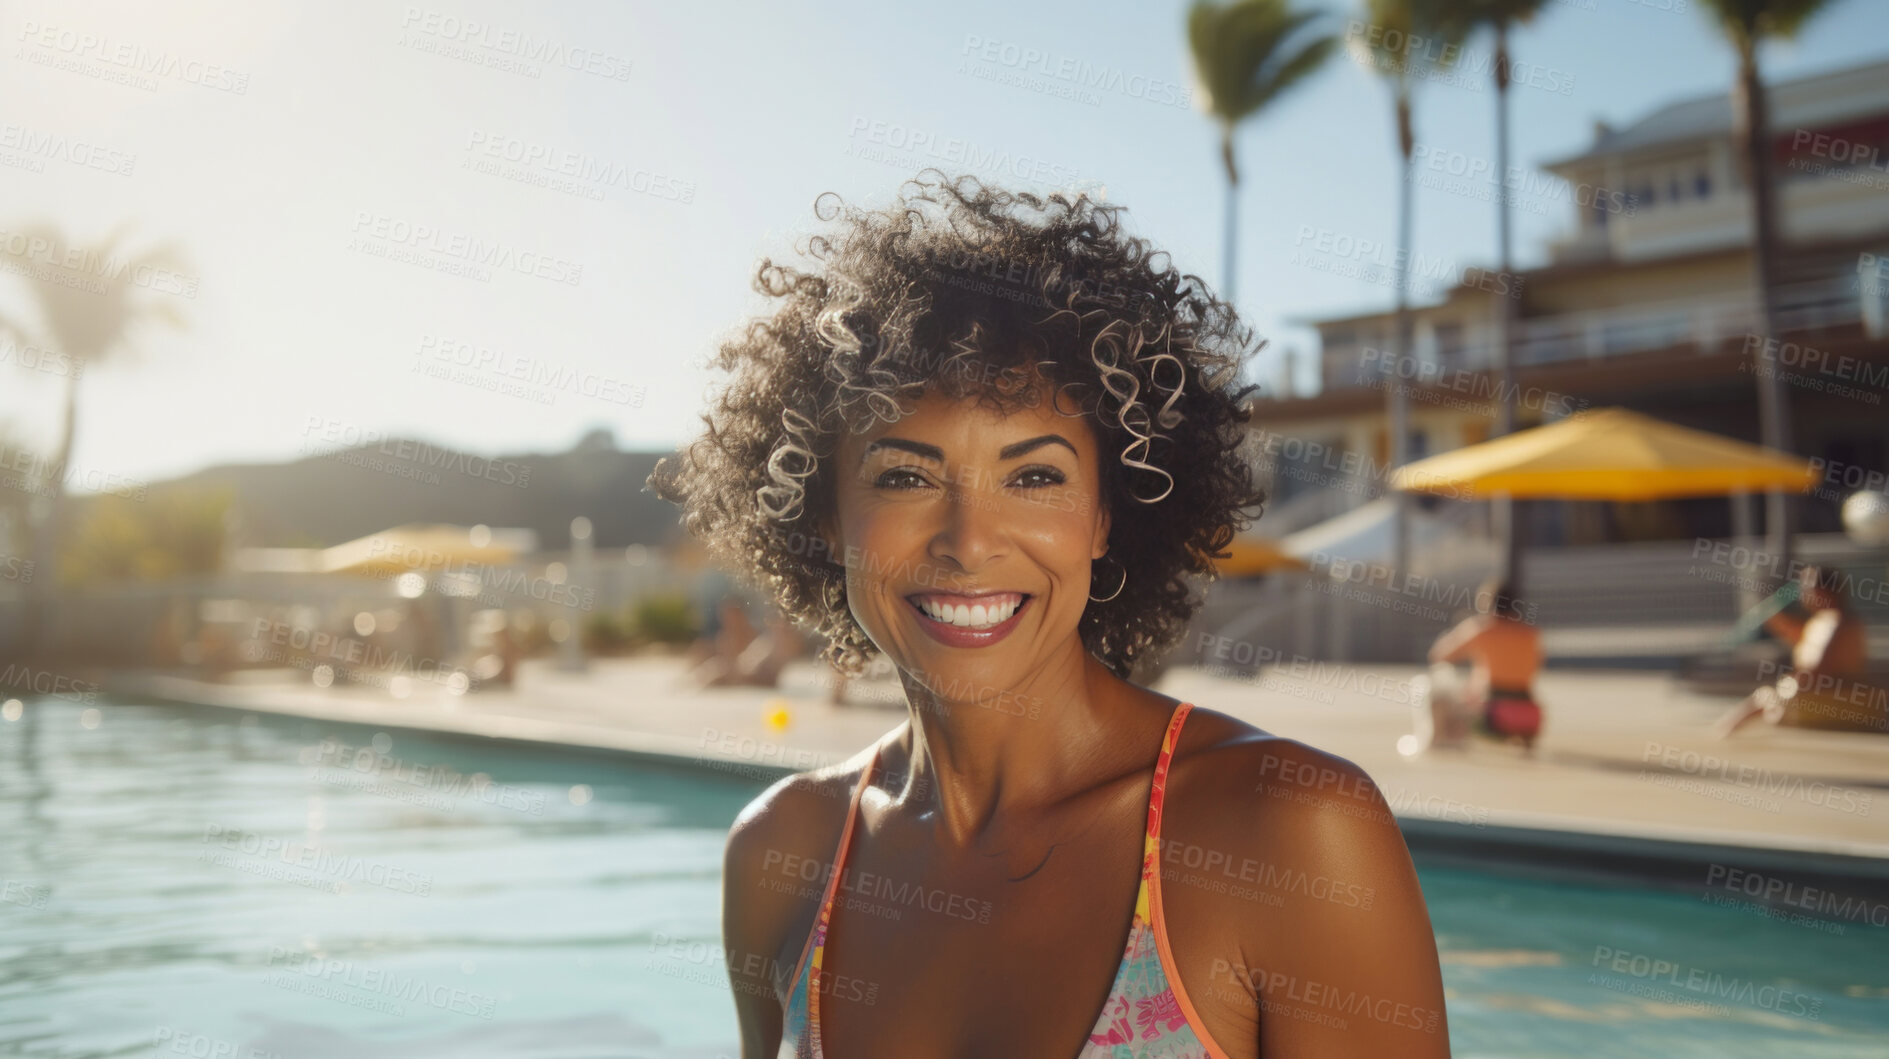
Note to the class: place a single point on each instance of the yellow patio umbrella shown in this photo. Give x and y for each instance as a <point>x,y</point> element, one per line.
<point>1606,454</point>
<point>1249,555</point>
<point>426,548</point>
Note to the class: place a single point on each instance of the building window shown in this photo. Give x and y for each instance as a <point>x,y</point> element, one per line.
<point>1449,342</point>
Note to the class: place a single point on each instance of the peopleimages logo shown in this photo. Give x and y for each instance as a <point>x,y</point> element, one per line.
<point>1078,75</point>
<point>1442,60</point>
<point>370,988</point>
<point>1533,189</point>
<point>136,63</point>
<point>1816,900</point>
<point>1754,778</point>
<point>91,269</point>
<point>482,37</point>
<point>584,170</point>
<point>895,144</point>
<point>1703,984</point>
<point>384,236</point>
<point>523,375</point>
<point>81,153</point>
<point>413,454</point>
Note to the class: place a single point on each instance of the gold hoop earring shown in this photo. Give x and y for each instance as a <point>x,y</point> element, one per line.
<point>1118,588</point>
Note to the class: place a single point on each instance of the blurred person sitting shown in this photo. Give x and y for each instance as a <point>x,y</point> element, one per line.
<point>497,652</point>
<point>1504,652</point>
<point>1829,652</point>
<point>726,627</point>
<point>759,662</point>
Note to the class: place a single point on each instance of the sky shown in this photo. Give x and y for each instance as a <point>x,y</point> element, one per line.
<point>496,227</point>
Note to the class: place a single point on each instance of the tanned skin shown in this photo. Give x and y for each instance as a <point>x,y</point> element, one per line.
<point>1015,796</point>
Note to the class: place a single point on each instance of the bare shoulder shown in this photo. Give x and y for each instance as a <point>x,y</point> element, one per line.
<point>775,867</point>
<point>798,818</point>
<point>1256,786</point>
<point>797,806</point>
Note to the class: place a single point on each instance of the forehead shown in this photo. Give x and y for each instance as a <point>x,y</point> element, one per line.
<point>973,427</point>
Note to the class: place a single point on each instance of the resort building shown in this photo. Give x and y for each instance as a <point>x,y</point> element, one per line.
<point>1645,303</point>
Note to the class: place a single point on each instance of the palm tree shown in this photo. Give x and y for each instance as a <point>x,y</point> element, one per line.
<point>1247,53</point>
<point>1499,17</point>
<point>1746,24</point>
<point>1401,67</point>
<point>90,324</point>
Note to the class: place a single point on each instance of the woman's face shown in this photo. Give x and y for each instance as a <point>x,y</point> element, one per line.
<point>967,537</point>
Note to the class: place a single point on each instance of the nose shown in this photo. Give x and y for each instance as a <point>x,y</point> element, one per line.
<point>974,532</point>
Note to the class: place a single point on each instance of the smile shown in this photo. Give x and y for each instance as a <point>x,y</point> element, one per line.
<point>968,620</point>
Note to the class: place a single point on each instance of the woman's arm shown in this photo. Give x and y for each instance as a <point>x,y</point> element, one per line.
<point>1451,646</point>
<point>767,913</point>
<point>750,927</point>
<point>1786,625</point>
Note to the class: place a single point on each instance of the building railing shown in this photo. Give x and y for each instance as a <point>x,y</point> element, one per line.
<point>1706,324</point>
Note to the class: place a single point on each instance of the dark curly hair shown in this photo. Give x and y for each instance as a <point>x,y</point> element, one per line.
<point>978,292</point>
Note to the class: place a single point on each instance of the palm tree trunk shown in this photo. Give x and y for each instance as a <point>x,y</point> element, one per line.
<point>1505,304</point>
<point>1397,397</point>
<point>1232,233</point>
<point>1774,412</point>
<point>40,594</point>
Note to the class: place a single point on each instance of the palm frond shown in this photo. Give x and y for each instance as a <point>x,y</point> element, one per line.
<point>1486,13</point>
<point>1247,53</point>
<point>1394,29</point>
<point>1295,69</point>
<point>90,321</point>
<point>1747,22</point>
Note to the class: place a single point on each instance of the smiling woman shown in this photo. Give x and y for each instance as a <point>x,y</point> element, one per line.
<point>995,438</point>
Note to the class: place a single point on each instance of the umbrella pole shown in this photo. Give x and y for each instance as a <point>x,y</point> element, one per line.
<point>1747,595</point>
<point>1503,512</point>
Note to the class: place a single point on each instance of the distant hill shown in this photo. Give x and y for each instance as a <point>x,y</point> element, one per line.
<point>332,497</point>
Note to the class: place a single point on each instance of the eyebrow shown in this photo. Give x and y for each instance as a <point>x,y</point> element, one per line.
<point>934,453</point>
<point>1011,452</point>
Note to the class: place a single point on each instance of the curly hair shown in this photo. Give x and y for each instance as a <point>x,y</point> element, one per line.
<point>978,292</point>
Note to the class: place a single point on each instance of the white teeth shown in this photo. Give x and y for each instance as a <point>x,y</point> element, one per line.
<point>976,616</point>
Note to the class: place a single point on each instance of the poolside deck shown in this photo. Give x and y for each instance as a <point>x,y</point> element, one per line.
<point>1624,764</point>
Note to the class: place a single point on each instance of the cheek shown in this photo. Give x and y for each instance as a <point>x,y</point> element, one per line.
<point>1071,514</point>
<point>1062,523</point>
<point>1056,540</point>
<point>886,548</point>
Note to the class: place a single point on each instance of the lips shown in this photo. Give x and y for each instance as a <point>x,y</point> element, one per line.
<point>969,619</point>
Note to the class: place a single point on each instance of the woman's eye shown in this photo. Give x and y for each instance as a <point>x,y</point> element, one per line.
<point>899,478</point>
<point>1038,477</point>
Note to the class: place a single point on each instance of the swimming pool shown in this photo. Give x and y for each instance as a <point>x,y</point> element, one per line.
<point>183,882</point>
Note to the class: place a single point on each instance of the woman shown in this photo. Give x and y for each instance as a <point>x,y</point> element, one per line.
<point>992,436</point>
<point>1822,687</point>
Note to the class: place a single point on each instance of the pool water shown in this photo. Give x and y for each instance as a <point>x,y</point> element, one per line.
<point>195,882</point>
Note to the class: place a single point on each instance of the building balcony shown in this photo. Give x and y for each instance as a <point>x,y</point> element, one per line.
<point>1705,325</point>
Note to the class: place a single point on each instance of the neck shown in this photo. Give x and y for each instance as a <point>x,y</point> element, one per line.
<point>978,760</point>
